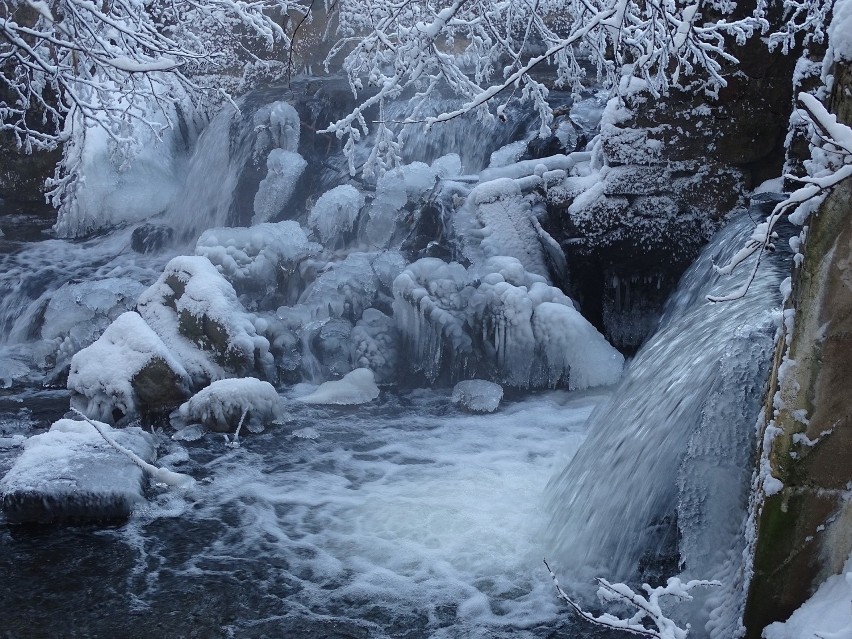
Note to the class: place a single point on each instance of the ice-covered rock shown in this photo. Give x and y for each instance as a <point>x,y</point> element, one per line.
<point>196,313</point>
<point>284,168</point>
<point>70,473</point>
<point>78,312</point>
<point>357,387</point>
<point>375,344</point>
<point>477,395</point>
<point>260,260</point>
<point>333,216</point>
<point>222,405</point>
<point>497,320</point>
<point>127,371</point>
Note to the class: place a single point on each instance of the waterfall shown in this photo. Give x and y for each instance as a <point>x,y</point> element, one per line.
<point>676,438</point>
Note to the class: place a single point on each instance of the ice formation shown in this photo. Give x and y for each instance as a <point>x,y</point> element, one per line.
<point>498,320</point>
<point>478,395</point>
<point>284,168</point>
<point>375,343</point>
<point>128,368</point>
<point>333,216</point>
<point>356,387</point>
<point>227,402</point>
<point>71,473</point>
<point>80,311</point>
<point>259,260</point>
<point>276,125</point>
<point>196,313</point>
<point>393,191</point>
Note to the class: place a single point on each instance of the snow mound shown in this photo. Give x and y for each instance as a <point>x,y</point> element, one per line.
<point>71,474</point>
<point>284,168</point>
<point>258,259</point>
<point>222,405</point>
<point>196,313</point>
<point>127,371</point>
<point>357,387</point>
<point>497,320</point>
<point>828,613</point>
<point>334,214</point>
<point>478,395</point>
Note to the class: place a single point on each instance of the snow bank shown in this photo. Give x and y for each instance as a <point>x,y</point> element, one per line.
<point>478,395</point>
<point>71,474</point>
<point>127,370</point>
<point>827,614</point>
<point>357,387</point>
<point>284,168</point>
<point>196,313</point>
<point>222,405</point>
<point>497,320</point>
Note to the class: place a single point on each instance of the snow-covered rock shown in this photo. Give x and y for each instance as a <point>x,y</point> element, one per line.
<point>477,395</point>
<point>284,168</point>
<point>127,371</point>
<point>222,405</point>
<point>196,313</point>
<point>357,387</point>
<point>71,474</point>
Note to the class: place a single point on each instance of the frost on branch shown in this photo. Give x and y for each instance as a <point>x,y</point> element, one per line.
<point>649,619</point>
<point>482,51</point>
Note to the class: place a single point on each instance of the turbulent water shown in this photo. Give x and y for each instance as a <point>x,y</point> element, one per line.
<point>405,518</point>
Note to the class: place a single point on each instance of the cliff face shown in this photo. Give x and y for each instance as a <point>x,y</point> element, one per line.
<point>805,529</point>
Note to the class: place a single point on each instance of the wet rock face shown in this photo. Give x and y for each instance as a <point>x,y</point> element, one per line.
<point>150,238</point>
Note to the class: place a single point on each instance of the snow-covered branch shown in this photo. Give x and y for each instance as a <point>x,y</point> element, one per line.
<point>68,65</point>
<point>831,148</point>
<point>483,51</point>
<point>649,620</point>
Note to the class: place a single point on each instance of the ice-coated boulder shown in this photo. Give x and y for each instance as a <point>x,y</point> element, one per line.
<point>127,371</point>
<point>196,313</point>
<point>477,395</point>
<point>260,260</point>
<point>497,320</point>
<point>222,405</point>
<point>357,387</point>
<point>70,473</point>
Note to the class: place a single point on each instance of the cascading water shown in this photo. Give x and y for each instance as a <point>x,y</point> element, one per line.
<point>674,442</point>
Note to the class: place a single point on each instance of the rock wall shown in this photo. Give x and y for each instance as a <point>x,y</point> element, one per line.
<point>805,529</point>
